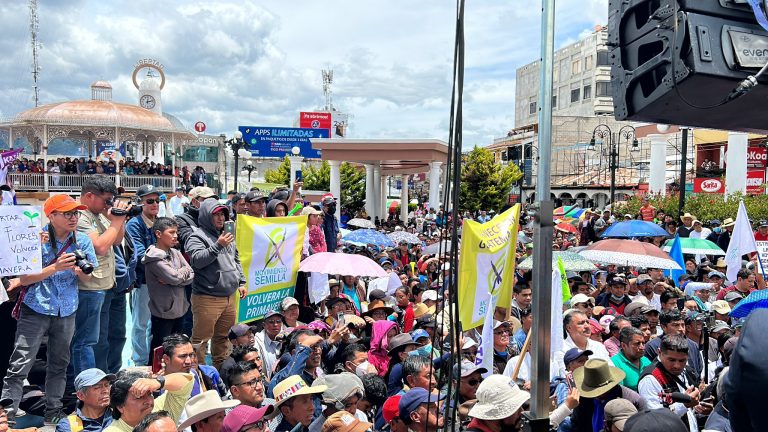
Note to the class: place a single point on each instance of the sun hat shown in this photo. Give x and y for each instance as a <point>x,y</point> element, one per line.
<point>200,192</point>
<point>400,340</point>
<point>498,397</point>
<point>244,415</point>
<point>343,421</point>
<point>721,263</point>
<point>574,353</point>
<point>687,216</point>
<point>467,369</point>
<point>661,419</point>
<point>294,386</point>
<point>204,405</point>
<point>414,397</point>
<point>62,203</point>
<point>597,377</point>
<point>420,309</point>
<point>582,298</point>
<point>91,377</point>
<point>618,411</point>
<point>309,210</point>
<point>728,222</point>
<point>630,309</point>
<point>333,282</point>
<point>339,387</point>
<point>377,305</point>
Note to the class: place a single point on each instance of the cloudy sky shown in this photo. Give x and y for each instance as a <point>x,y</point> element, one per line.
<point>248,62</point>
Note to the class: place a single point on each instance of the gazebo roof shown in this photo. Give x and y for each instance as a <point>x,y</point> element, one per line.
<point>397,156</point>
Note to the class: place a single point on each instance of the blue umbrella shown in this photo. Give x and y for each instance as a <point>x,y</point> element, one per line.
<point>756,300</point>
<point>634,228</point>
<point>369,236</point>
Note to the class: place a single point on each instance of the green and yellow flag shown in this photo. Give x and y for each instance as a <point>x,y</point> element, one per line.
<point>270,252</point>
<point>487,265</point>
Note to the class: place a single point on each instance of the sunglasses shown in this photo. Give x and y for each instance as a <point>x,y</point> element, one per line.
<point>473,382</point>
<point>258,426</point>
<point>501,332</point>
<point>151,201</point>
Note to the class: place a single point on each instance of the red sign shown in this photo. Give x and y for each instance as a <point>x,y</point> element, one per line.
<point>756,157</point>
<point>755,180</point>
<point>199,127</point>
<point>315,120</point>
<point>708,185</point>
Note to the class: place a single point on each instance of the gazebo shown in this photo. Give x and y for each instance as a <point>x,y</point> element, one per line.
<point>50,131</point>
<point>383,158</point>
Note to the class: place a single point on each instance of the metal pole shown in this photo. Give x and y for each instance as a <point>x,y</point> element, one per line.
<point>235,148</point>
<point>613,146</point>
<point>224,152</point>
<point>683,167</point>
<point>542,233</point>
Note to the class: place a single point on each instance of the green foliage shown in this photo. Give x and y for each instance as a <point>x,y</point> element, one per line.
<point>281,175</point>
<point>352,183</point>
<point>485,184</point>
<point>704,206</point>
<point>317,178</point>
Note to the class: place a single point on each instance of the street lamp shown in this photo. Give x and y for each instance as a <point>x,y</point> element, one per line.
<point>249,168</point>
<point>625,134</point>
<point>239,149</point>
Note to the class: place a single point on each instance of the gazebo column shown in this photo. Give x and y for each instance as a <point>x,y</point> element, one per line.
<point>45,157</point>
<point>336,183</point>
<point>434,184</point>
<point>384,194</point>
<point>377,190</point>
<point>369,191</point>
<point>404,198</point>
<point>117,146</point>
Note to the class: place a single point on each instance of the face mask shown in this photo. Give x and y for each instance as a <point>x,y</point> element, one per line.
<point>331,210</point>
<point>613,297</point>
<point>426,350</point>
<point>361,369</point>
<point>717,230</point>
<point>414,353</point>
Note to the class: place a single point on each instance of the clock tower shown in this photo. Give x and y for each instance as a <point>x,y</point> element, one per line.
<point>151,86</point>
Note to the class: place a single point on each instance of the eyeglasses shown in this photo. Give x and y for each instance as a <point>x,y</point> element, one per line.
<point>501,332</point>
<point>151,201</point>
<point>69,215</point>
<point>252,383</point>
<point>473,382</point>
<point>258,426</point>
<point>273,322</point>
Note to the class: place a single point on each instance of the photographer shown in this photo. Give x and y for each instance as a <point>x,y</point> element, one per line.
<point>105,230</point>
<point>47,305</point>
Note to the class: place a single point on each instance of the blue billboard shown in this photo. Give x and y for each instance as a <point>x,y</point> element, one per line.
<point>267,141</point>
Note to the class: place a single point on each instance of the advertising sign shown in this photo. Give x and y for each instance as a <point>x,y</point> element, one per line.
<point>315,120</point>
<point>755,180</point>
<point>108,150</point>
<point>267,141</point>
<point>756,157</point>
<point>708,185</point>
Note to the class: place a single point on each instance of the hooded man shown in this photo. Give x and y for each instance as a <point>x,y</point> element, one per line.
<point>188,220</point>
<point>219,281</point>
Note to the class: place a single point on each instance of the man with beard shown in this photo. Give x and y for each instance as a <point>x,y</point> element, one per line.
<point>419,411</point>
<point>630,358</point>
<point>93,412</point>
<point>645,285</point>
<point>499,406</point>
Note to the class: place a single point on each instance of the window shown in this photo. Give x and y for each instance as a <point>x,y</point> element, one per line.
<point>532,108</point>
<point>201,154</point>
<point>563,69</point>
<point>576,67</point>
<point>602,58</point>
<point>588,60</point>
<point>554,101</point>
<point>602,89</point>
<point>575,93</point>
<point>587,92</point>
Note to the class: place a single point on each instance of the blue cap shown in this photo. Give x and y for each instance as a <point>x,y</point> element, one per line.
<point>418,334</point>
<point>413,398</point>
<point>574,353</point>
<point>91,377</point>
<point>384,261</point>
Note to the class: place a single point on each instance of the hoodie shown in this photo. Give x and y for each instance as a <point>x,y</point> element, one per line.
<point>377,356</point>
<point>187,223</point>
<point>272,207</point>
<point>218,271</point>
<point>167,274</point>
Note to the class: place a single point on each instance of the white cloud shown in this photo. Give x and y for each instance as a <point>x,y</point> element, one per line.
<point>258,62</point>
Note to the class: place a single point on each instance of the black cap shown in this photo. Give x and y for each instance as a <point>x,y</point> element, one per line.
<point>377,294</point>
<point>255,195</point>
<point>146,189</point>
<point>617,280</point>
<point>655,420</point>
<point>332,301</point>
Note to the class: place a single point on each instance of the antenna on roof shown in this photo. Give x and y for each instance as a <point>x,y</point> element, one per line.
<point>34,27</point>
<point>327,81</point>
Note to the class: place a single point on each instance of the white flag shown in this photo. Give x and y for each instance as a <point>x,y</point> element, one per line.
<point>484,356</point>
<point>556,324</point>
<point>742,243</point>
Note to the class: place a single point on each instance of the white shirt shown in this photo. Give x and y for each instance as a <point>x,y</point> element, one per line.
<point>598,352</point>
<point>654,302</point>
<point>177,205</point>
<point>269,351</point>
<point>525,369</point>
<point>649,389</point>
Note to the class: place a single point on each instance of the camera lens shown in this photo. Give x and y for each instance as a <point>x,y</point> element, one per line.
<point>82,262</point>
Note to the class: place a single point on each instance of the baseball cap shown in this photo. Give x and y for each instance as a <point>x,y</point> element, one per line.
<point>288,302</point>
<point>720,326</point>
<point>255,195</point>
<point>418,334</point>
<point>661,419</point>
<point>339,387</point>
<point>244,415</point>
<point>733,296</point>
<point>384,261</point>
<point>467,369</point>
<point>201,192</point>
<point>343,421</point>
<point>391,409</point>
<point>763,223</point>
<point>146,189</point>
<point>617,280</point>
<point>721,306</point>
<point>91,377</point>
<point>429,295</point>
<point>272,313</point>
<point>309,210</point>
<point>238,330</point>
<point>497,324</point>
<point>582,298</point>
<point>327,199</point>
<point>643,278</point>
<point>411,400</point>
<point>715,273</point>
<point>62,203</point>
<point>377,294</point>
<point>618,411</point>
<point>574,353</point>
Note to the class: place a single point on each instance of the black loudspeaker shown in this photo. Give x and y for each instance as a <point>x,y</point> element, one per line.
<point>679,69</point>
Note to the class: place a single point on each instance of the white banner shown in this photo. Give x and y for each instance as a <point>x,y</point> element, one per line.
<point>20,228</point>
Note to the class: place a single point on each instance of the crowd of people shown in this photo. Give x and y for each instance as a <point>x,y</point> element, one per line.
<point>640,352</point>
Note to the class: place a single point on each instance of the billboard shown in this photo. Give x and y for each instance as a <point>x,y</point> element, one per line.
<point>756,157</point>
<point>755,180</point>
<point>708,185</point>
<point>267,141</point>
<point>316,120</point>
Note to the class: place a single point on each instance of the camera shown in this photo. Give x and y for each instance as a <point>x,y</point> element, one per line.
<point>132,211</point>
<point>82,262</point>
<point>706,317</point>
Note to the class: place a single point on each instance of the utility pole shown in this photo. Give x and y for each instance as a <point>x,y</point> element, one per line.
<point>34,27</point>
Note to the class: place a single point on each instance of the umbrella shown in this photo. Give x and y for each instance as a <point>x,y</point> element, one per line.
<point>571,261</point>
<point>399,236</point>
<point>361,223</point>
<point>696,246</point>
<point>435,247</point>
<point>568,211</point>
<point>566,227</point>
<point>630,253</point>
<point>756,300</point>
<point>393,205</point>
<point>368,236</point>
<point>342,264</point>
<point>634,228</point>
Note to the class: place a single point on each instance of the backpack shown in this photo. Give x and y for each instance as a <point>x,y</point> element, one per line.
<point>125,266</point>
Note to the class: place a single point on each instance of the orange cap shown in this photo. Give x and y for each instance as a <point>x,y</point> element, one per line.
<point>62,203</point>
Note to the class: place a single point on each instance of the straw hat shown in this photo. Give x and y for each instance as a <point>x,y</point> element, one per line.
<point>597,377</point>
<point>294,386</point>
<point>728,222</point>
<point>687,216</point>
<point>204,405</point>
<point>721,263</point>
<point>420,309</point>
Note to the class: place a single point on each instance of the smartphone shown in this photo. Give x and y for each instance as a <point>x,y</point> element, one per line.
<point>157,359</point>
<point>299,176</point>
<point>569,381</point>
<point>340,320</point>
<point>229,227</point>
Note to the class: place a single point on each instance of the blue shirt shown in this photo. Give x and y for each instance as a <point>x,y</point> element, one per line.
<point>89,425</point>
<point>57,294</point>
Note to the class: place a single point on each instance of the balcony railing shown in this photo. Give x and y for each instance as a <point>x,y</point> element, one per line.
<point>36,182</point>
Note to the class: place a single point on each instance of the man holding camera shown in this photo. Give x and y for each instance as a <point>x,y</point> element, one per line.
<point>142,236</point>
<point>105,229</point>
<point>47,305</point>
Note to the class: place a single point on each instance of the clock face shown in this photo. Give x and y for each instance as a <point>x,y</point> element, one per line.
<point>147,101</point>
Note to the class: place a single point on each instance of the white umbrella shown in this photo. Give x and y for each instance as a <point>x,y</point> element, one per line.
<point>361,223</point>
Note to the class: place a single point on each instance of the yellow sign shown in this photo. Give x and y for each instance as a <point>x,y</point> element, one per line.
<point>487,265</point>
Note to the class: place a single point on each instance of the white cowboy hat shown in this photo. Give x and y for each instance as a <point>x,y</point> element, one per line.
<point>203,406</point>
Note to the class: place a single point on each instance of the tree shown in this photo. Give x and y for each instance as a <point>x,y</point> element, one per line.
<point>352,183</point>
<point>485,184</point>
<point>281,175</point>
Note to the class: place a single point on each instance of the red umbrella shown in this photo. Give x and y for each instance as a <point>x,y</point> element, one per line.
<point>566,227</point>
